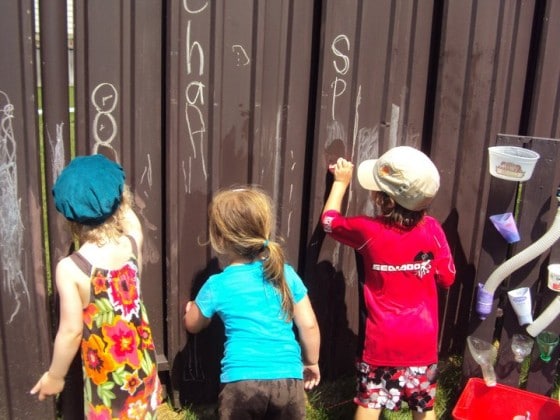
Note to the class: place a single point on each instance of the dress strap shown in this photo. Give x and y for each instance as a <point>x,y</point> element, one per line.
<point>134,245</point>
<point>81,262</point>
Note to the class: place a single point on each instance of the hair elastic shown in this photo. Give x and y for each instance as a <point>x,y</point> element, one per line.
<point>265,243</point>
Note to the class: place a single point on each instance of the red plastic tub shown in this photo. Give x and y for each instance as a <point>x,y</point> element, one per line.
<point>502,402</point>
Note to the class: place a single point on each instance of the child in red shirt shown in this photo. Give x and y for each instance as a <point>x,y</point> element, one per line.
<point>405,256</point>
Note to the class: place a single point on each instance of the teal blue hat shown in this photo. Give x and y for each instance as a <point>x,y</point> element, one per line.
<point>89,189</point>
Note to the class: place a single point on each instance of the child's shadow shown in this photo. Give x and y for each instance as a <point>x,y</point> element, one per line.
<point>196,368</point>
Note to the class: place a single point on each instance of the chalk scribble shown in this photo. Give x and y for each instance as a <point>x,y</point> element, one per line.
<point>11,226</point>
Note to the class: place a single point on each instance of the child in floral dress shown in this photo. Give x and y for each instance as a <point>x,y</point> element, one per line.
<point>101,309</point>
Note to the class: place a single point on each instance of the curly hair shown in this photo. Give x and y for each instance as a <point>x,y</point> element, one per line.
<point>110,230</point>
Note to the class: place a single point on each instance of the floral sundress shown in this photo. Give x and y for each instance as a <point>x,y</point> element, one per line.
<point>118,354</point>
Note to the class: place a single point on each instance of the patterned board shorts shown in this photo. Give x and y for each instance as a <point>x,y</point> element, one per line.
<point>387,387</point>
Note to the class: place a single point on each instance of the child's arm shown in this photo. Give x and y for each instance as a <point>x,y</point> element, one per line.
<point>444,265</point>
<point>310,341</point>
<point>69,334</point>
<point>342,171</point>
<point>193,318</point>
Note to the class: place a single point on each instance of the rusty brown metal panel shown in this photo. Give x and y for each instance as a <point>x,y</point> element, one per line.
<point>545,108</point>
<point>481,79</point>
<point>279,125</point>
<point>193,38</point>
<point>56,137</point>
<point>55,111</point>
<point>238,86</point>
<point>119,113</point>
<point>371,96</point>
<point>24,315</point>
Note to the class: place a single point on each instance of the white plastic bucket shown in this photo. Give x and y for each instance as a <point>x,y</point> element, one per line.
<point>511,162</point>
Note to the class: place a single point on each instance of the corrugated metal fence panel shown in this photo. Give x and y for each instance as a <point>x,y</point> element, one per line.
<point>56,134</point>
<point>232,108</point>
<point>189,105</point>
<point>119,113</point>
<point>56,123</point>
<point>25,324</point>
<point>481,82</point>
<point>372,90</point>
<point>545,109</point>
<point>238,86</point>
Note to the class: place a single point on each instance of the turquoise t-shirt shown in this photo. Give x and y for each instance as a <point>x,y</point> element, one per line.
<point>260,343</point>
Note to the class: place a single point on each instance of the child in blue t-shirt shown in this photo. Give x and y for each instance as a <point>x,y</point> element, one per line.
<point>258,297</point>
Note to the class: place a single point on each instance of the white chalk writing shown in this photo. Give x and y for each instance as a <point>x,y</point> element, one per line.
<point>242,57</point>
<point>195,11</point>
<point>147,173</point>
<point>57,149</point>
<point>194,94</point>
<point>104,98</point>
<point>339,84</point>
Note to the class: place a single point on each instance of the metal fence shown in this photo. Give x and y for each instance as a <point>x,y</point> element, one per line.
<point>194,95</point>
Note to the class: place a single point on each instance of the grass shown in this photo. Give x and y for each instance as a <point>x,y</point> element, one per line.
<point>333,400</point>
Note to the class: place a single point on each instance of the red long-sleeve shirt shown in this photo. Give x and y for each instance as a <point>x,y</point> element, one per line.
<point>402,269</point>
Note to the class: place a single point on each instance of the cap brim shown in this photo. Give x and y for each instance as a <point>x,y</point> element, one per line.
<point>365,175</point>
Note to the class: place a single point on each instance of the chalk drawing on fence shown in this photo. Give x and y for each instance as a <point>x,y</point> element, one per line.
<point>356,121</point>
<point>277,156</point>
<point>11,226</point>
<point>194,97</point>
<point>339,84</point>
<point>204,5</point>
<point>291,211</point>
<point>57,149</point>
<point>193,370</point>
<point>187,175</point>
<point>242,57</point>
<point>341,65</point>
<point>105,99</point>
<point>147,174</point>
<point>394,129</point>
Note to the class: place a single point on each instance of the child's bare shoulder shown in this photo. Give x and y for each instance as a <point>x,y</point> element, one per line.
<point>68,268</point>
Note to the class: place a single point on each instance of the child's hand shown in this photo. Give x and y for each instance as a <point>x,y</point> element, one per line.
<point>342,170</point>
<point>311,376</point>
<point>48,385</point>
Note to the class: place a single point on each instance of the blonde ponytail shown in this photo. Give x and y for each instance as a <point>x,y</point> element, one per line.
<point>274,272</point>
